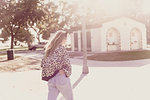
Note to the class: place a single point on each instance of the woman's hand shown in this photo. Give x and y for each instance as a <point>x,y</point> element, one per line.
<point>62,72</point>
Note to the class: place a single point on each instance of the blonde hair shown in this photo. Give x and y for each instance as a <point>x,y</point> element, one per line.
<point>55,42</point>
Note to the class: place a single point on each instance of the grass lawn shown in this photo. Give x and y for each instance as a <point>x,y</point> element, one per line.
<point>3,51</point>
<point>121,56</point>
<point>21,48</point>
<point>15,48</point>
<point>20,63</point>
<point>2,54</point>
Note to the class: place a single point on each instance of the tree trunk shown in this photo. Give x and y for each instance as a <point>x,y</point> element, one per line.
<point>12,41</point>
<point>28,43</point>
<point>10,53</point>
<point>38,38</point>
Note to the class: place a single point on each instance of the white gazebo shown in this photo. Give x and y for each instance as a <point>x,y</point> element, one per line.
<point>121,34</point>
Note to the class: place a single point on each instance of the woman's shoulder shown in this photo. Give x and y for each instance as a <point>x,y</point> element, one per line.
<point>60,47</point>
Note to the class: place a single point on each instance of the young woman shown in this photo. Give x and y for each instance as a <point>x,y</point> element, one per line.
<point>56,68</point>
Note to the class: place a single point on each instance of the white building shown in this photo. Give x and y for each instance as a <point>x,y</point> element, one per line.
<point>122,34</point>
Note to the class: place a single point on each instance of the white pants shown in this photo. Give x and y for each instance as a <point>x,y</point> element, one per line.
<point>59,83</point>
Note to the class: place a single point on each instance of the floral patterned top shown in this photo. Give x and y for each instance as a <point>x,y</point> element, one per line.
<point>56,61</point>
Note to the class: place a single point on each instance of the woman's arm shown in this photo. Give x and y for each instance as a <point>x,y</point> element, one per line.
<point>66,66</point>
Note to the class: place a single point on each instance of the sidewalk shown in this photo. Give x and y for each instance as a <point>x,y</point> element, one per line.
<point>104,82</point>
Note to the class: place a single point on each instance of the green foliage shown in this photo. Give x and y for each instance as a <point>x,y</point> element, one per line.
<point>46,34</point>
<point>60,16</point>
<point>49,22</point>
<point>29,12</point>
<point>16,15</point>
<point>24,36</point>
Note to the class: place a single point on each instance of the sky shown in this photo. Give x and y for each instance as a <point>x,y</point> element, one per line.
<point>146,6</point>
<point>109,6</point>
<point>112,6</point>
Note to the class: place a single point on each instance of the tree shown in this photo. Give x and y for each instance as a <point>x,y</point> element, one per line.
<point>60,16</point>
<point>50,21</point>
<point>6,21</point>
<point>19,14</point>
<point>24,36</point>
<point>46,35</point>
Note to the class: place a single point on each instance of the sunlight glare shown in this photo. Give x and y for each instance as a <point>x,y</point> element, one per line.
<point>109,6</point>
<point>112,6</point>
<point>146,6</point>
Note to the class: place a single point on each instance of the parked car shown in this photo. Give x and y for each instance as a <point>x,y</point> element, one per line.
<point>68,47</point>
<point>1,39</point>
<point>39,45</point>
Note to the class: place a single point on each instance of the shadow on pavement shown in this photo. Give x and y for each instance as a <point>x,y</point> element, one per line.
<point>76,83</point>
<point>92,63</point>
<point>3,60</point>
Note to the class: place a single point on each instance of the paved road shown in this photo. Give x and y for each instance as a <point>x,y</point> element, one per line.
<point>119,80</point>
<point>123,80</point>
<point>102,83</point>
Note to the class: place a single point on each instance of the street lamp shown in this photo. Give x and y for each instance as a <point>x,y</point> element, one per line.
<point>84,41</point>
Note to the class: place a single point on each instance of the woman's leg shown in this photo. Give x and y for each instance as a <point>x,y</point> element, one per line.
<point>64,86</point>
<point>52,90</point>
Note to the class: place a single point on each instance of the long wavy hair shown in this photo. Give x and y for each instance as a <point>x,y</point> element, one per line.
<point>55,42</point>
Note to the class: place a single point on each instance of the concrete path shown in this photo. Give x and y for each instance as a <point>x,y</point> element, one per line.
<point>105,81</point>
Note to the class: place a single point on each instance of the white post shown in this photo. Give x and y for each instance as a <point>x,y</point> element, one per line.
<point>84,41</point>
